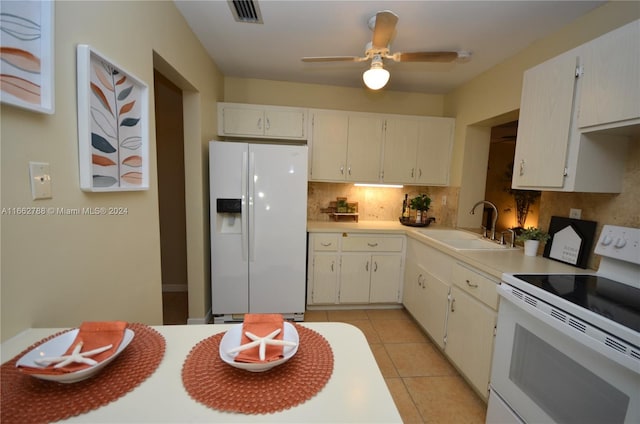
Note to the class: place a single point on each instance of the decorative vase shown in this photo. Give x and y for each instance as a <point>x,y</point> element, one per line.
<point>531,247</point>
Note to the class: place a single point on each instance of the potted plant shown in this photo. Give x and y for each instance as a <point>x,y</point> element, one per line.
<point>421,205</point>
<point>532,237</point>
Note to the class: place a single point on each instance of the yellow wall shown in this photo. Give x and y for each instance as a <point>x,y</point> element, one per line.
<point>60,270</point>
<point>243,90</point>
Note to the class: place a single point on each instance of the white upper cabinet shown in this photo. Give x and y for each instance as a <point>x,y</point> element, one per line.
<point>546,109</point>
<point>345,146</point>
<point>434,151</point>
<point>364,148</point>
<point>417,150</point>
<point>576,113</point>
<point>611,78</point>
<point>261,121</point>
<point>329,134</point>
<point>400,146</point>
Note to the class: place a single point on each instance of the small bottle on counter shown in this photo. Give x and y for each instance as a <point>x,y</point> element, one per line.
<point>405,206</point>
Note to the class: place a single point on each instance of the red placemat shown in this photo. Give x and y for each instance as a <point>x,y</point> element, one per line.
<point>218,385</point>
<point>26,399</point>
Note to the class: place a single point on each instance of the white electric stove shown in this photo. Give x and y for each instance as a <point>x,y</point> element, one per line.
<point>568,345</point>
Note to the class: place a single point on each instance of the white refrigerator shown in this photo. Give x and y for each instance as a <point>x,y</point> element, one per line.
<point>258,229</point>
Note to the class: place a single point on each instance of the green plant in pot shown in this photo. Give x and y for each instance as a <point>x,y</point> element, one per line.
<point>532,237</point>
<point>421,205</point>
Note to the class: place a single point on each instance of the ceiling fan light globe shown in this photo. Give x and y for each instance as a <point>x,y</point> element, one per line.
<point>375,78</point>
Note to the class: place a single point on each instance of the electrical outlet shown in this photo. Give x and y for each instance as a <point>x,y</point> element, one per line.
<point>444,200</point>
<point>575,213</point>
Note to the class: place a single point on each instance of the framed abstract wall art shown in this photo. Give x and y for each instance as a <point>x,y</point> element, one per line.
<point>26,54</point>
<point>113,125</point>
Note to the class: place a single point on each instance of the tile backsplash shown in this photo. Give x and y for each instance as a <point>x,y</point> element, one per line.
<point>381,203</point>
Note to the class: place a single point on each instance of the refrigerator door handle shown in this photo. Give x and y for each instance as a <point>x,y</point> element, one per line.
<point>252,188</point>
<point>243,212</point>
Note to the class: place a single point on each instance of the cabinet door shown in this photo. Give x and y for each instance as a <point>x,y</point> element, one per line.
<point>284,123</point>
<point>435,300</point>
<point>412,283</point>
<point>611,77</point>
<point>544,126</point>
<point>470,337</point>
<point>241,121</point>
<point>355,274</point>
<point>400,146</point>
<point>364,148</point>
<point>325,279</point>
<point>434,151</point>
<point>329,146</point>
<point>385,278</point>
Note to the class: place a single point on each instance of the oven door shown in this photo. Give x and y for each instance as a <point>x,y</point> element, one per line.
<point>551,373</point>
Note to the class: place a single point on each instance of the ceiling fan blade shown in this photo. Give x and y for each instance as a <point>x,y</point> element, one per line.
<point>334,59</point>
<point>442,57</point>
<point>385,26</point>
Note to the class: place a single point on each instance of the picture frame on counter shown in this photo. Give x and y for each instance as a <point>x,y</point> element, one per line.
<point>27,55</point>
<point>113,125</point>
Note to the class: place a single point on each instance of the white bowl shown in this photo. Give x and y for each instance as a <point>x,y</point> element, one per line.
<point>233,337</point>
<point>57,347</point>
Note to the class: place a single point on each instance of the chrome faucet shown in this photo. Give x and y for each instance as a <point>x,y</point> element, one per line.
<point>495,216</point>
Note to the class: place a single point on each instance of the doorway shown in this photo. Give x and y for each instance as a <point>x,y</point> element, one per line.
<point>171,199</point>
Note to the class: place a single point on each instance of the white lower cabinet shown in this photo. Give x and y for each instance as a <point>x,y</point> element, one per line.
<point>358,268</point>
<point>426,290</point>
<point>471,325</point>
<point>325,278</point>
<point>456,305</point>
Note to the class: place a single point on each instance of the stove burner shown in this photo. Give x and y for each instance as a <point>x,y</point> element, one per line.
<point>616,301</point>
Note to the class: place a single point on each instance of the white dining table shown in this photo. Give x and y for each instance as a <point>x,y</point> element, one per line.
<point>356,391</point>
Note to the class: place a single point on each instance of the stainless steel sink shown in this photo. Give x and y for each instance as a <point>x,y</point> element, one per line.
<point>463,240</point>
<point>449,234</point>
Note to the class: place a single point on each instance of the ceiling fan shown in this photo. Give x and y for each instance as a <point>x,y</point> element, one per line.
<point>383,25</point>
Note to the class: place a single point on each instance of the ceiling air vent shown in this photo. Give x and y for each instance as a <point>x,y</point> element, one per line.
<point>245,11</point>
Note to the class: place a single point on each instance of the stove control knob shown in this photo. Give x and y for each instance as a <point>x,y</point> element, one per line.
<point>606,240</point>
<point>620,243</point>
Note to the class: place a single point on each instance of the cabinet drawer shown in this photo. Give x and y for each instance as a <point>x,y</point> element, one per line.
<point>372,244</point>
<point>477,285</point>
<point>325,242</point>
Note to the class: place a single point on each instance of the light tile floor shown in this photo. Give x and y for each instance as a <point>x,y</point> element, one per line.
<point>425,386</point>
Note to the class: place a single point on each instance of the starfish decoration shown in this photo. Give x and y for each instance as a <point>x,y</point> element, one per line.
<point>262,342</point>
<point>75,356</point>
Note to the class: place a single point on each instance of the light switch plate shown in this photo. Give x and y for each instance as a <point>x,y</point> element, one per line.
<point>40,180</point>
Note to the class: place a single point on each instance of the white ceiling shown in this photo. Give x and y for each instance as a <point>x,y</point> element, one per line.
<point>492,30</point>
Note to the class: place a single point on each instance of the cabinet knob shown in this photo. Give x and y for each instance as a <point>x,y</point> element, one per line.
<point>372,244</point>
<point>259,123</point>
<point>326,244</point>
<point>470,284</point>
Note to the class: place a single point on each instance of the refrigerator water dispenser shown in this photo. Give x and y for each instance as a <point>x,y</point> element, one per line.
<point>229,212</point>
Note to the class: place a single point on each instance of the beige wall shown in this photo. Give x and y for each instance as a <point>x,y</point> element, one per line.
<point>60,270</point>
<point>242,90</point>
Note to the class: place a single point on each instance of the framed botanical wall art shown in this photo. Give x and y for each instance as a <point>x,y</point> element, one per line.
<point>113,125</point>
<point>26,54</point>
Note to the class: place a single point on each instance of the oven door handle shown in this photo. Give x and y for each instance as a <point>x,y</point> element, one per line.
<point>589,336</point>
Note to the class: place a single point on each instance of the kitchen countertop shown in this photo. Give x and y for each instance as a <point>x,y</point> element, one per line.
<point>356,391</point>
<point>493,262</point>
